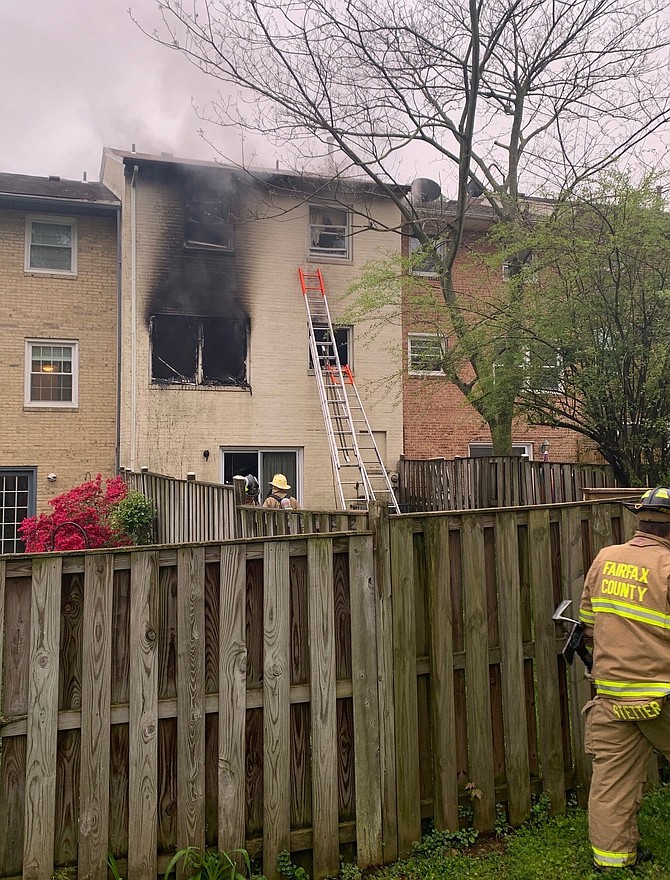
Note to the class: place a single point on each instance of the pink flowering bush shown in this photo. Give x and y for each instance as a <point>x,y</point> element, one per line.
<point>90,506</point>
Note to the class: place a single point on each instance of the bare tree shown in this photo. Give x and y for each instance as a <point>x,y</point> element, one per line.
<point>495,94</point>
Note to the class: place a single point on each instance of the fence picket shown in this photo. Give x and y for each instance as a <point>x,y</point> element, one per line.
<point>442,710</point>
<point>367,735</point>
<point>276,718</point>
<point>321,613</point>
<point>572,577</point>
<point>95,717</point>
<point>190,697</point>
<point>42,720</point>
<point>478,702</point>
<point>404,649</point>
<point>546,663</point>
<point>143,717</point>
<point>232,696</point>
<point>511,662</point>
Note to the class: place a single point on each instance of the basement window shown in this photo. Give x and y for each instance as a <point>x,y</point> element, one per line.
<point>209,224</point>
<point>188,350</point>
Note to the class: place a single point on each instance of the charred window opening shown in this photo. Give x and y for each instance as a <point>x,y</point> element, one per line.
<point>209,223</point>
<point>187,350</point>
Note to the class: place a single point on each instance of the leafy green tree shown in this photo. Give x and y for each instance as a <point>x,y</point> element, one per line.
<point>598,320</point>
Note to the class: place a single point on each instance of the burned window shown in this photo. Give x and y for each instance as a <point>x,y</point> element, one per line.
<point>187,350</point>
<point>209,223</point>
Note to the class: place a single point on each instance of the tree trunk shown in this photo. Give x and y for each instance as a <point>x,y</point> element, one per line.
<point>501,434</point>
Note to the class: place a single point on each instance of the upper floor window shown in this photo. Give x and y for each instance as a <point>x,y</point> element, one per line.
<point>425,354</point>
<point>51,245</point>
<point>51,373</point>
<point>189,350</point>
<point>324,346</point>
<point>521,263</point>
<point>425,260</point>
<point>329,232</point>
<point>209,223</point>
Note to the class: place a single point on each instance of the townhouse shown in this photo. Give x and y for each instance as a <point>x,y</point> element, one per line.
<point>58,313</point>
<point>216,377</point>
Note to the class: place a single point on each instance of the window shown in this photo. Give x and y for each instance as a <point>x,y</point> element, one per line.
<point>209,223</point>
<point>516,265</point>
<point>51,373</point>
<point>51,245</point>
<point>342,341</point>
<point>329,232</point>
<point>188,350</point>
<point>426,263</point>
<point>425,353</point>
<point>544,368</point>
<point>264,464</point>
<point>17,501</point>
<point>484,450</point>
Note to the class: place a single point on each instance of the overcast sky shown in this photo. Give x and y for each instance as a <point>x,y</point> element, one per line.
<point>78,75</point>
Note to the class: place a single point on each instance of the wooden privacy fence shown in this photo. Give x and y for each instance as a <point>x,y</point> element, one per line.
<point>293,693</point>
<point>186,510</point>
<point>501,481</point>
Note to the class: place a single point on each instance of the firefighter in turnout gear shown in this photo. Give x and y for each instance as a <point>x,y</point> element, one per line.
<point>625,610</point>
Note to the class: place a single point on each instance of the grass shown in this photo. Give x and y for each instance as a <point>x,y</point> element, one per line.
<point>543,849</point>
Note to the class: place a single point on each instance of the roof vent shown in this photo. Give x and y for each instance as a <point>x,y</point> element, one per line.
<point>54,177</point>
<point>167,155</point>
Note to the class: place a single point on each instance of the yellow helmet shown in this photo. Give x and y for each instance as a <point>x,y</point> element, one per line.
<point>279,482</point>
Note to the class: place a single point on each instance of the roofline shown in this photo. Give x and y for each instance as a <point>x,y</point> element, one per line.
<point>53,203</point>
<point>267,177</point>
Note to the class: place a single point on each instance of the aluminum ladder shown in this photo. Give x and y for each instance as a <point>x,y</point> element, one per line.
<point>359,472</point>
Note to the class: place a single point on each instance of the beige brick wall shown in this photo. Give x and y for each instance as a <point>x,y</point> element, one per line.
<point>70,443</point>
<point>174,425</point>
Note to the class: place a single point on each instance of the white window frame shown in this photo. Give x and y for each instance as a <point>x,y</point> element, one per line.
<point>480,444</point>
<point>52,404</point>
<point>54,221</point>
<point>558,389</point>
<point>316,253</point>
<point>443,345</point>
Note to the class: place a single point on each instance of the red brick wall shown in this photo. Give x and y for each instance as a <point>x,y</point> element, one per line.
<point>438,421</point>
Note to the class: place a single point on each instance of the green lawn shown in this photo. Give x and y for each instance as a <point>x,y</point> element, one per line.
<point>543,849</point>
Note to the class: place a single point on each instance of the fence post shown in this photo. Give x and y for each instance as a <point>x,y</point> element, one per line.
<point>239,498</point>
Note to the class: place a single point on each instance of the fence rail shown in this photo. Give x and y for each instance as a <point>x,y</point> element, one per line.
<point>298,692</point>
<point>501,481</point>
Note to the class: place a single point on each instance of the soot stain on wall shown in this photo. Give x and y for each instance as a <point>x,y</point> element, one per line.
<point>197,322</point>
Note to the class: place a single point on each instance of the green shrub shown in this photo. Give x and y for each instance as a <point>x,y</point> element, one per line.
<point>134,516</point>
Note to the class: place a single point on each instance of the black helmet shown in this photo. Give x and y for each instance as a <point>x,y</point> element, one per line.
<point>251,486</point>
<point>654,501</point>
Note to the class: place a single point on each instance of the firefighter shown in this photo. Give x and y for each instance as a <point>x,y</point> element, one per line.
<point>625,610</point>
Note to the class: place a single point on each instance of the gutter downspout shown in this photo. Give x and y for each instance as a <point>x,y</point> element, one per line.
<point>133,319</point>
<point>119,317</point>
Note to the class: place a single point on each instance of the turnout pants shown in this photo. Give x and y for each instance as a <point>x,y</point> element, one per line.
<point>621,751</point>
